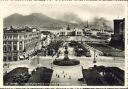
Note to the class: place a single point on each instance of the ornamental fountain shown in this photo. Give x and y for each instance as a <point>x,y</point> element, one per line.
<point>66,61</point>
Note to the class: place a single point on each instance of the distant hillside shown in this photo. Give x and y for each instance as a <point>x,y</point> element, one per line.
<point>35,19</point>
<point>44,22</point>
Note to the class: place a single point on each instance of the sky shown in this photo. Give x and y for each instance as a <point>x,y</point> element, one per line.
<point>83,11</point>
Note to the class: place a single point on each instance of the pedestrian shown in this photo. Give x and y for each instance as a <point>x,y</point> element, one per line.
<point>82,67</point>
<point>51,67</point>
<point>58,54</point>
<point>63,72</point>
<point>8,65</point>
<point>58,76</point>
<point>69,77</point>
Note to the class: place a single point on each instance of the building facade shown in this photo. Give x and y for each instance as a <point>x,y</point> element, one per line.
<point>119,25</point>
<point>118,38</point>
<point>19,44</point>
<point>71,32</point>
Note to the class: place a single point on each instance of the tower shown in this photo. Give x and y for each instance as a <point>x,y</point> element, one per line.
<point>68,28</point>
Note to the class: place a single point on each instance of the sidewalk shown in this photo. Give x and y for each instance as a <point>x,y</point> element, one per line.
<point>13,65</point>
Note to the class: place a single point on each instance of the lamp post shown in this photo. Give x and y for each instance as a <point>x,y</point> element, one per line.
<point>94,61</point>
<point>38,59</point>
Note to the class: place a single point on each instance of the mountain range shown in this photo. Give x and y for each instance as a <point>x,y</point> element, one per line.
<point>44,22</point>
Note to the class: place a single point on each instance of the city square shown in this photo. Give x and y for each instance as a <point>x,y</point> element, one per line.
<point>61,53</point>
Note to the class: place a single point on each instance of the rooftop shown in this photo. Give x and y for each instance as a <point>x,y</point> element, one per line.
<point>123,19</point>
<point>20,30</point>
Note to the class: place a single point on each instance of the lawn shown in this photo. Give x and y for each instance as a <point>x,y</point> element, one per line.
<point>107,50</point>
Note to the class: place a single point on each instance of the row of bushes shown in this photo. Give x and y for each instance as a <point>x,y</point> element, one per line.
<point>66,62</point>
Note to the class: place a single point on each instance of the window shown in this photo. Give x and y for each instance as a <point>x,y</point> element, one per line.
<point>10,58</point>
<point>9,37</point>
<point>25,36</point>
<point>78,33</point>
<point>14,47</point>
<point>5,37</point>
<point>15,42</point>
<point>20,36</point>
<point>9,42</point>
<point>20,42</point>
<point>5,58</point>
<point>20,47</point>
<point>9,48</point>
<point>4,48</point>
<point>62,33</point>
<point>15,36</point>
<point>15,58</point>
<point>4,42</point>
<point>30,35</point>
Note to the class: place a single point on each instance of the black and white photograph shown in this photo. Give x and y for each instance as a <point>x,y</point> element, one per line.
<point>64,45</point>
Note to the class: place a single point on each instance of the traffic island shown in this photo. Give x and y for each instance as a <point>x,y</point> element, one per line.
<point>62,62</point>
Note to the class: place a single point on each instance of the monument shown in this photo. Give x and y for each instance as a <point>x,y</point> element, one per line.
<point>66,61</point>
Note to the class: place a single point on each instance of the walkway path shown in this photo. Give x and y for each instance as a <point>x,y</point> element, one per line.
<point>66,75</point>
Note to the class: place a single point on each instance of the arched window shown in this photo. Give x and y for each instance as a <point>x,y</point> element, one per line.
<point>9,47</point>
<point>4,48</point>
<point>14,47</point>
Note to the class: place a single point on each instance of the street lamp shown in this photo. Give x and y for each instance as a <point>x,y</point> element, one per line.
<point>38,59</point>
<point>94,61</point>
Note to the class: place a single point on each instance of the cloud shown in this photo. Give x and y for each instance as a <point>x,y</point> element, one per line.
<point>74,13</point>
<point>71,17</point>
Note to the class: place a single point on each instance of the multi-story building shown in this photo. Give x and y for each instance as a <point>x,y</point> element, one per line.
<point>46,38</point>
<point>70,32</point>
<point>19,44</point>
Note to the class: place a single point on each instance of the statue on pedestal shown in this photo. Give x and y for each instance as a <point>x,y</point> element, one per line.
<point>66,53</point>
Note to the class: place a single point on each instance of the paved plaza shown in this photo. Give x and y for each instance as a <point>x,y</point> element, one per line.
<point>66,75</point>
